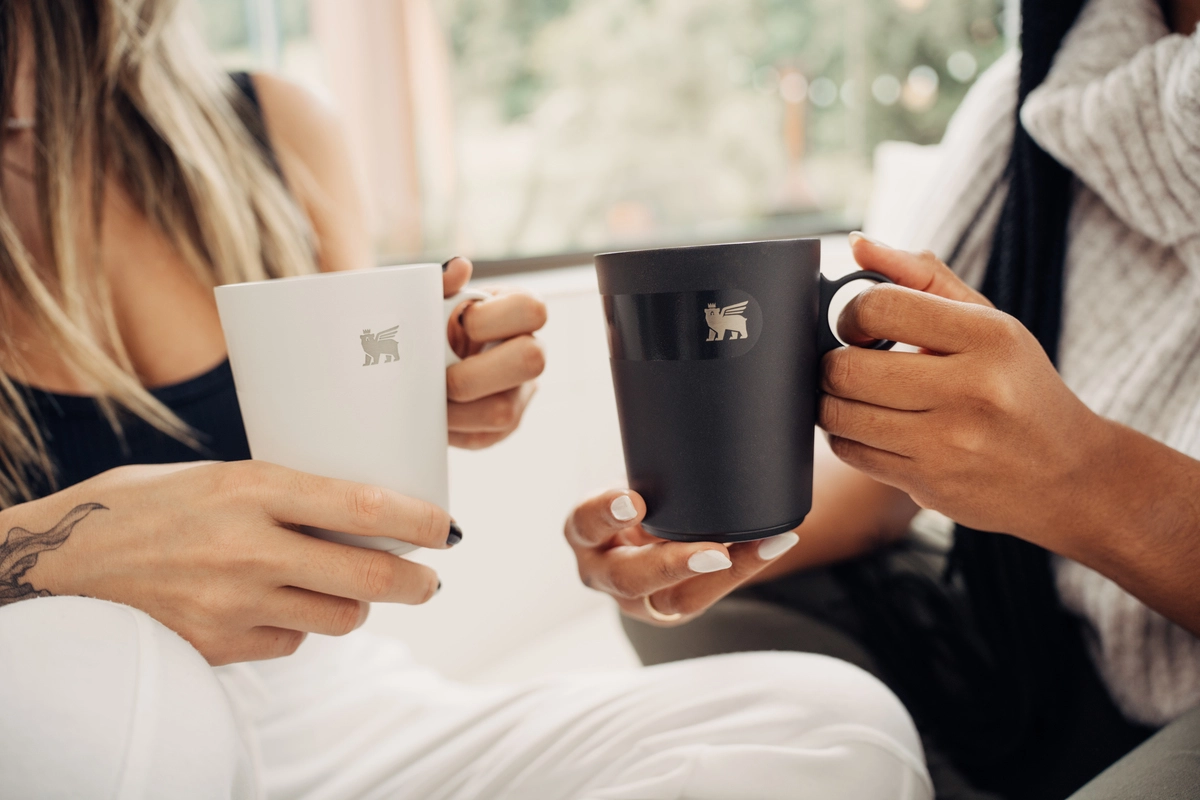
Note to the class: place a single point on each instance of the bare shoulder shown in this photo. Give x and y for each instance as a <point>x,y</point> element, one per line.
<point>314,153</point>
<point>296,118</point>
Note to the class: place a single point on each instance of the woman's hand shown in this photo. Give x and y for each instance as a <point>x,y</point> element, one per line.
<point>489,390</point>
<point>212,551</point>
<point>617,556</point>
<point>979,425</point>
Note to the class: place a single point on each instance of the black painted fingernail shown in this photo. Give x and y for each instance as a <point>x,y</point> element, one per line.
<point>439,588</point>
<point>446,263</point>
<point>455,535</point>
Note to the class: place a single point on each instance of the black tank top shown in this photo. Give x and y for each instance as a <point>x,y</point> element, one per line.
<point>81,441</point>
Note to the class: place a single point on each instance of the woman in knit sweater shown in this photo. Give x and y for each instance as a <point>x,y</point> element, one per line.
<point>1031,661</point>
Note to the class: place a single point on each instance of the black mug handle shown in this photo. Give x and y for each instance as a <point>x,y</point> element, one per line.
<point>826,341</point>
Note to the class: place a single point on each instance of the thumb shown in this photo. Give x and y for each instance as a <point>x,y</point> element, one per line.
<point>455,274</point>
<point>922,271</point>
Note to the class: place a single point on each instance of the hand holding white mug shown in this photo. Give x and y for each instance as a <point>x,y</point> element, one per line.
<point>488,391</point>
<point>211,551</point>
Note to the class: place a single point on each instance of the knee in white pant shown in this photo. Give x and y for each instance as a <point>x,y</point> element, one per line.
<point>822,721</point>
<point>819,691</point>
<point>100,700</point>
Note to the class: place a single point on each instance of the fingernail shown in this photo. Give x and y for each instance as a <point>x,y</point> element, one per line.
<point>622,508</point>
<point>709,561</point>
<point>439,588</point>
<point>455,534</point>
<point>857,236</point>
<point>446,263</point>
<point>777,545</point>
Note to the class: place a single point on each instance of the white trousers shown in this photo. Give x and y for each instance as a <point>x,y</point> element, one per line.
<point>99,700</point>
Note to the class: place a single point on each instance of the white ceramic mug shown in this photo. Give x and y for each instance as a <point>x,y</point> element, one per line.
<point>343,374</point>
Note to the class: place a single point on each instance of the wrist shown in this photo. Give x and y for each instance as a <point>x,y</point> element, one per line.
<point>32,534</point>
<point>1098,512</point>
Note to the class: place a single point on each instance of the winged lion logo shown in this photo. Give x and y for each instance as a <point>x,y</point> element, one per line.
<point>380,344</point>
<point>725,319</point>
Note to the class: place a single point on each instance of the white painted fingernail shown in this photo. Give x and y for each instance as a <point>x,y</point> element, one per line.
<point>709,561</point>
<point>777,545</point>
<point>622,508</point>
<point>857,236</point>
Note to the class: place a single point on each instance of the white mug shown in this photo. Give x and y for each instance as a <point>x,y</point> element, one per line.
<point>343,374</point>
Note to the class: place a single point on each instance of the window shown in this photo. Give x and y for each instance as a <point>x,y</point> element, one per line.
<point>517,128</point>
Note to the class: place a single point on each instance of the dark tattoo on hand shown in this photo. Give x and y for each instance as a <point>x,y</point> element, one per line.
<point>21,549</point>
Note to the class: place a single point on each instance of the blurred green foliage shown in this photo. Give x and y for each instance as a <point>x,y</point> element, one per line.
<point>496,48</point>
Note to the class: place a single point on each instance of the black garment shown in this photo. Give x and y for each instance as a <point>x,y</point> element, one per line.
<point>83,444</point>
<point>80,439</point>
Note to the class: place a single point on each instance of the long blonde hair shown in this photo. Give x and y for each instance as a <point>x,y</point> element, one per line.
<point>127,91</point>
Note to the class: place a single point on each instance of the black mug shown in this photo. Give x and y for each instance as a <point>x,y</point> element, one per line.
<point>715,357</point>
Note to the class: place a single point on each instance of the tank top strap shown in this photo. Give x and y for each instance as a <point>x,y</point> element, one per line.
<point>250,110</point>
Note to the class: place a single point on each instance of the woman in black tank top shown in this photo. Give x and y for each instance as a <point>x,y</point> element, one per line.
<point>76,466</point>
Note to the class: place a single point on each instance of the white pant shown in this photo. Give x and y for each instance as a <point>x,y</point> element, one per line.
<point>99,700</point>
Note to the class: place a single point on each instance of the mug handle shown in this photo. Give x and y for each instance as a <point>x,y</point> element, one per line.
<point>826,340</point>
<point>451,303</point>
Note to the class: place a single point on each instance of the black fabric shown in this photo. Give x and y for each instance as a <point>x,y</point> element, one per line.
<point>249,108</point>
<point>1088,731</point>
<point>1029,641</point>
<point>83,444</point>
<point>80,439</point>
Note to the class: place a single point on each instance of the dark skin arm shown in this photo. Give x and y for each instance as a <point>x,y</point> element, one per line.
<point>980,427</point>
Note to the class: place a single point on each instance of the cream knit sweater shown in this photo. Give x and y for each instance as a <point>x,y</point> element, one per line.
<point>1121,110</point>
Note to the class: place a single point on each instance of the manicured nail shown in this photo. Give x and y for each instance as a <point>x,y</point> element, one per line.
<point>777,545</point>
<point>857,236</point>
<point>446,263</point>
<point>709,561</point>
<point>622,508</point>
<point>439,588</point>
<point>455,534</point>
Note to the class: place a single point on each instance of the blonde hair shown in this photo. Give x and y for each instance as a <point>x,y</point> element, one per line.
<point>127,91</point>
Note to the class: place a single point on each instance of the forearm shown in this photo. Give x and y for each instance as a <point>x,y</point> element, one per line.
<point>851,515</point>
<point>1135,518</point>
<point>27,534</point>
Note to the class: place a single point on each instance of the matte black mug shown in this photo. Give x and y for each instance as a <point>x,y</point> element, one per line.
<point>715,357</point>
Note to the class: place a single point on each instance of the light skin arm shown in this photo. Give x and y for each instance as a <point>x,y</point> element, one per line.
<point>313,152</point>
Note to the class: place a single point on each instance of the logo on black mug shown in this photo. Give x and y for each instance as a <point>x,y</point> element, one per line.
<point>725,319</point>
<point>380,344</point>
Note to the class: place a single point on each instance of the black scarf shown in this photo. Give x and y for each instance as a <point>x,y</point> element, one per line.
<point>1008,581</point>
<point>984,678</point>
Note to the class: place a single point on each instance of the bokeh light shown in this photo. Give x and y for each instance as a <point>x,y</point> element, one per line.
<point>921,89</point>
<point>823,92</point>
<point>793,88</point>
<point>961,66</point>
<point>984,31</point>
<point>849,94</point>
<point>886,90</point>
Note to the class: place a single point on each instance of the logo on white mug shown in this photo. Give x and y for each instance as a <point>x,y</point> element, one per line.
<point>725,319</point>
<point>380,344</point>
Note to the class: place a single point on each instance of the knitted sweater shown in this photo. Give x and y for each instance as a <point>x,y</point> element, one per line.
<point>1121,110</point>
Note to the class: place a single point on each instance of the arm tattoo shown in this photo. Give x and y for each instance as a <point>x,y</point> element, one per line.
<point>21,549</point>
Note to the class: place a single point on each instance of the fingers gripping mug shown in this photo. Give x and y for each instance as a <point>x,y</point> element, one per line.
<point>344,375</point>
<point>715,356</point>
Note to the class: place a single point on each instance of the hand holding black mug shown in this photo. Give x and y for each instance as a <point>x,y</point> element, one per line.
<point>715,354</point>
